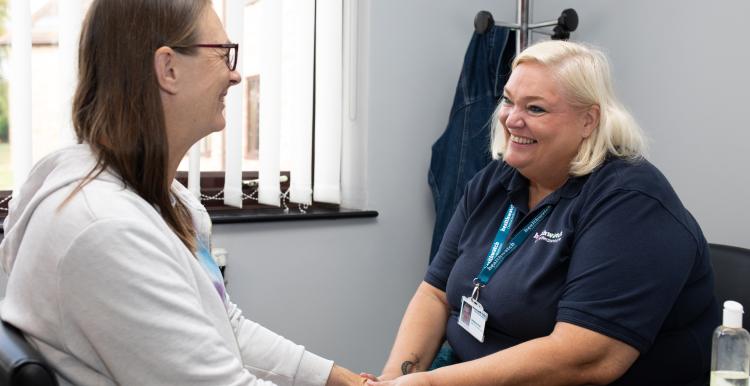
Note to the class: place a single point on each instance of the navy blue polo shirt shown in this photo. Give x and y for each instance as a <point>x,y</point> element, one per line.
<point>618,254</point>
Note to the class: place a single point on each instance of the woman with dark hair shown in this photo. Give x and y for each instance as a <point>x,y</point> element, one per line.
<point>110,271</point>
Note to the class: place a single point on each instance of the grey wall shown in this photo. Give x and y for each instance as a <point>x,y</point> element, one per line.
<point>340,287</point>
<point>682,68</point>
<point>349,282</point>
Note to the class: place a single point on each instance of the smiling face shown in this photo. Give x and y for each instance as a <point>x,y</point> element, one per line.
<point>194,86</point>
<point>210,76</point>
<point>542,129</point>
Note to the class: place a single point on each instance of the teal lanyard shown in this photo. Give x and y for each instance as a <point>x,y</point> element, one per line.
<point>499,252</point>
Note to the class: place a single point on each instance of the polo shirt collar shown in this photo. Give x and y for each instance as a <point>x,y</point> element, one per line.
<point>518,188</point>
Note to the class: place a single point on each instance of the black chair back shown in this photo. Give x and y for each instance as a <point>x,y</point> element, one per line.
<point>20,363</point>
<point>732,276</point>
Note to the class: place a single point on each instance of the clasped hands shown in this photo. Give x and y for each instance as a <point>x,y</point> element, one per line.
<point>413,379</point>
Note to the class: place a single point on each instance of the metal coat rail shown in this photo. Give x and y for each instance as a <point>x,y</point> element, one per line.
<point>563,26</point>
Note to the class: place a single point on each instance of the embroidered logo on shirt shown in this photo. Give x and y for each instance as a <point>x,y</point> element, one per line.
<point>548,236</point>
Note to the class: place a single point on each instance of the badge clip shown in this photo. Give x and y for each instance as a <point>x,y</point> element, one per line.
<point>475,292</point>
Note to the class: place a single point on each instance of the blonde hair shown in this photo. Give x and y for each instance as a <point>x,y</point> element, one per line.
<point>584,74</point>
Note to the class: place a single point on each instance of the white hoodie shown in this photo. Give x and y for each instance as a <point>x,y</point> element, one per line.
<point>110,295</point>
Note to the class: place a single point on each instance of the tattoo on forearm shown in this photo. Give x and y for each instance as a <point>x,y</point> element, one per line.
<point>410,366</point>
<point>406,367</point>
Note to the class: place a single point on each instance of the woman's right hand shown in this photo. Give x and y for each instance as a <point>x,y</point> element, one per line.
<point>414,379</point>
<point>380,378</point>
<point>370,377</point>
<point>342,377</point>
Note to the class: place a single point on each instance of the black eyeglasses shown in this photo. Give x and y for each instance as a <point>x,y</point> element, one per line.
<point>231,56</point>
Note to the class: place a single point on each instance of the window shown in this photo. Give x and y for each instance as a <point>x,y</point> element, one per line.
<point>291,56</point>
<point>252,85</point>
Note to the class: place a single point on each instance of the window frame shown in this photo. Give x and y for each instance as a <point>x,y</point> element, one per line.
<point>212,183</point>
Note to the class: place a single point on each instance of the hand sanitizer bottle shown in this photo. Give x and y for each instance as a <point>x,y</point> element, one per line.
<point>730,349</point>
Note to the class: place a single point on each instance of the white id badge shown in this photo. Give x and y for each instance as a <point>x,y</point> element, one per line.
<point>472,318</point>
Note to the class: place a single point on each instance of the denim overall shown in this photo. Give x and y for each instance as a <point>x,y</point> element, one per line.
<point>464,148</point>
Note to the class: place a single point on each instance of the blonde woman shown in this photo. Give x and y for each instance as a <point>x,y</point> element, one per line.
<point>575,258</point>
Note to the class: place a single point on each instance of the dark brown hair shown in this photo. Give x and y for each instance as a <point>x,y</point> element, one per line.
<point>117,107</point>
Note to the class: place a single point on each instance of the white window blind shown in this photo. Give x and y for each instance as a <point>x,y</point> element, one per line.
<point>234,21</point>
<point>298,55</point>
<point>270,102</point>
<point>353,136</point>
<point>19,90</point>
<point>71,16</point>
<point>301,70</point>
<point>328,100</point>
<point>301,55</point>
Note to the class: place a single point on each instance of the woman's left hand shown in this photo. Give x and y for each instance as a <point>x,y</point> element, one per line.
<point>415,379</point>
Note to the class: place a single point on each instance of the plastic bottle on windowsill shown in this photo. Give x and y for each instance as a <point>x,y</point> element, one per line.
<point>730,349</point>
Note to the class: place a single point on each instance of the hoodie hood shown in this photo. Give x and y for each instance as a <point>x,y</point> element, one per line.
<point>54,172</point>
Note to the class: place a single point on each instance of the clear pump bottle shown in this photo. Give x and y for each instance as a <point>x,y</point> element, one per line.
<point>730,349</point>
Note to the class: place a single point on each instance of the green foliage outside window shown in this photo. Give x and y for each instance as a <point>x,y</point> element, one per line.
<point>5,171</point>
<point>3,81</point>
<point>3,110</point>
